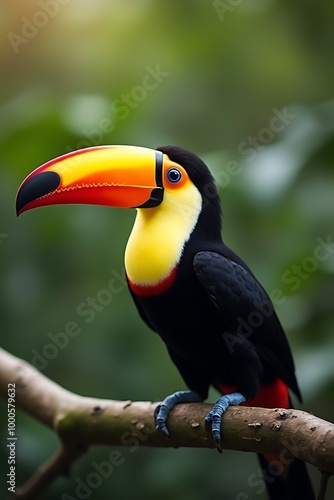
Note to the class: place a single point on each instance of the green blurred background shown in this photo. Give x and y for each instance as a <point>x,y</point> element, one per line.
<point>246,85</point>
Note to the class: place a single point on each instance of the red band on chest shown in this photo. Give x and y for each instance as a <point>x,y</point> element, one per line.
<point>155,289</point>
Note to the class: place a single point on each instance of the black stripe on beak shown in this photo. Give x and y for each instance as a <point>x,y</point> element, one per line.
<point>157,193</point>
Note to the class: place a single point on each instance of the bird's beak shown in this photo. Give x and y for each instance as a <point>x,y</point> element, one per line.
<point>118,176</point>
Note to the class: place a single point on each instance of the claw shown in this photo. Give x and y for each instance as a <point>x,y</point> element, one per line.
<point>208,422</point>
<point>219,447</point>
<point>213,420</point>
<point>156,413</point>
<point>162,411</point>
<point>160,417</point>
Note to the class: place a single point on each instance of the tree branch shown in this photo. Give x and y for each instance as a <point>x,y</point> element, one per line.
<point>81,421</point>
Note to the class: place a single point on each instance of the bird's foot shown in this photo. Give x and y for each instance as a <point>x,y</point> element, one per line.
<point>214,417</point>
<point>162,411</point>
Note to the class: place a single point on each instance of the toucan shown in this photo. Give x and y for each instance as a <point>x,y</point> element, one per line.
<point>216,320</point>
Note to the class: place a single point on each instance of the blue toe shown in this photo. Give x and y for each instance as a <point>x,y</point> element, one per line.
<point>213,419</point>
<point>163,409</point>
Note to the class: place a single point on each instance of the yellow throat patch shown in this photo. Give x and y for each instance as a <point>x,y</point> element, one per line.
<point>159,234</point>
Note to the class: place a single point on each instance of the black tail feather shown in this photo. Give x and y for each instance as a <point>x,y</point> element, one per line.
<point>294,483</point>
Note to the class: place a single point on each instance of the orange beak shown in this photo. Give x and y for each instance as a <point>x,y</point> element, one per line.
<point>118,176</point>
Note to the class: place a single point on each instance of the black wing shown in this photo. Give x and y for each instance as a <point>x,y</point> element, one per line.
<point>246,309</point>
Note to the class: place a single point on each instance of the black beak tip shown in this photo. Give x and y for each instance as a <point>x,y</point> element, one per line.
<point>36,187</point>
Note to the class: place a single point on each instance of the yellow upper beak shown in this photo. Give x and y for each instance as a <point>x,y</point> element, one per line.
<point>119,176</point>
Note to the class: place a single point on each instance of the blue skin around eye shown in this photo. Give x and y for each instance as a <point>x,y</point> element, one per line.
<point>174,175</point>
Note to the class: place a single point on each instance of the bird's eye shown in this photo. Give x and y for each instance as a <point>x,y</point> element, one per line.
<point>174,175</point>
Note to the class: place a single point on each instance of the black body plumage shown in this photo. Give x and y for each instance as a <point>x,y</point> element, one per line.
<point>212,291</point>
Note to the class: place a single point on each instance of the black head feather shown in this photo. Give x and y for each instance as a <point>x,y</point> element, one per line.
<point>211,216</point>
